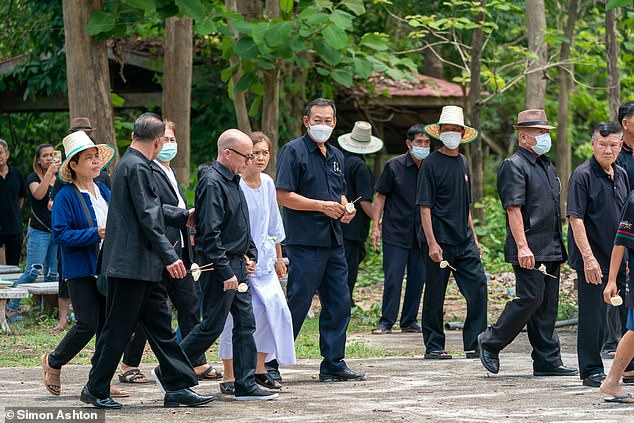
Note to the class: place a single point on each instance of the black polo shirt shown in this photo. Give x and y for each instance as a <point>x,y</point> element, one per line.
<point>12,188</point>
<point>444,185</point>
<point>625,159</point>
<point>401,217</point>
<point>625,236</point>
<point>222,220</point>
<point>530,182</point>
<point>597,199</point>
<point>303,169</point>
<point>359,182</point>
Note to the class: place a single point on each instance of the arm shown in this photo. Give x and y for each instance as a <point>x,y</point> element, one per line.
<point>175,216</point>
<point>64,232</point>
<point>367,208</point>
<point>475,236</point>
<point>379,206</point>
<point>618,251</point>
<point>280,267</point>
<point>21,202</point>
<point>435,252</point>
<point>40,189</point>
<point>591,266</point>
<point>292,200</point>
<point>347,217</point>
<point>516,223</point>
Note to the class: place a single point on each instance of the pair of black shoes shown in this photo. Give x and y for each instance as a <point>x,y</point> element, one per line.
<point>185,397</point>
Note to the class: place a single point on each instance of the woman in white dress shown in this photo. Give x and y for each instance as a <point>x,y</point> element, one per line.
<point>274,328</point>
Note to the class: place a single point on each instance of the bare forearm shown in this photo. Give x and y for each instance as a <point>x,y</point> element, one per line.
<point>367,208</point>
<point>517,226</point>
<point>39,190</point>
<point>618,251</point>
<point>425,217</point>
<point>475,236</point>
<point>581,237</point>
<point>379,205</point>
<point>294,201</point>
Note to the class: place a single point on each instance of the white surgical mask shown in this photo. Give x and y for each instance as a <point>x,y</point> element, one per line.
<point>451,140</point>
<point>543,144</point>
<point>420,153</point>
<point>320,133</point>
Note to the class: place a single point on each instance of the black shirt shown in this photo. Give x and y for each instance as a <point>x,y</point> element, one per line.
<point>222,220</point>
<point>12,188</point>
<point>529,181</point>
<point>303,169</point>
<point>444,185</point>
<point>625,236</point>
<point>625,159</point>
<point>597,199</point>
<point>401,217</point>
<point>40,214</point>
<point>359,182</point>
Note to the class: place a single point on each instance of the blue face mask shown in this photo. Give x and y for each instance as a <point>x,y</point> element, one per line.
<point>543,144</point>
<point>420,153</point>
<point>168,152</point>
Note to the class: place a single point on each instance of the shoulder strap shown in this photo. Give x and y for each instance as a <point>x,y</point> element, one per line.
<point>84,206</point>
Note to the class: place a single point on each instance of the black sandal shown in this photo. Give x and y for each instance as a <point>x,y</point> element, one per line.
<point>265,380</point>
<point>227,388</point>
<point>206,375</point>
<point>133,376</point>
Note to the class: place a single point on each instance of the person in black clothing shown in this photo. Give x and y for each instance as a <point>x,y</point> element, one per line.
<point>359,182</point>
<point>223,238</point>
<point>529,191</point>
<point>444,195</point>
<point>397,221</point>
<point>136,253</point>
<point>597,192</point>
<point>12,194</point>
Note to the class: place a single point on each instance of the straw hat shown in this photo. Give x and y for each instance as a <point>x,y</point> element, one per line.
<point>452,115</point>
<point>76,143</point>
<point>532,118</point>
<point>360,140</point>
<point>80,124</point>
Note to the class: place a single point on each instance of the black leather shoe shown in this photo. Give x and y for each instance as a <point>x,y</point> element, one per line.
<point>106,403</point>
<point>185,397</point>
<point>414,328</point>
<point>594,380</point>
<point>341,376</point>
<point>489,359</point>
<point>557,371</point>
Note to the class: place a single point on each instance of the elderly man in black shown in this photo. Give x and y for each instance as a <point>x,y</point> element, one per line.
<point>529,191</point>
<point>136,252</point>
<point>597,191</point>
<point>223,238</point>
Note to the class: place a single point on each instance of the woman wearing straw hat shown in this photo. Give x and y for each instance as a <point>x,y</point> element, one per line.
<point>79,220</point>
<point>356,145</point>
<point>444,195</point>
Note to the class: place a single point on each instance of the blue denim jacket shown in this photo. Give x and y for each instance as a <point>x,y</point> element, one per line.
<point>73,234</point>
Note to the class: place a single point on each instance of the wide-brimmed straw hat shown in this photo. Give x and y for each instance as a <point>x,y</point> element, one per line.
<point>452,115</point>
<point>76,143</point>
<point>360,140</point>
<point>80,124</point>
<point>532,118</point>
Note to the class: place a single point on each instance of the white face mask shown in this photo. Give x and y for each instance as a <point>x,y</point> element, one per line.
<point>320,133</point>
<point>451,140</point>
<point>543,144</point>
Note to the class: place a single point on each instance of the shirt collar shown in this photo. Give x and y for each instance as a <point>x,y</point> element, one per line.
<point>136,152</point>
<point>409,162</point>
<point>531,157</point>
<point>626,148</point>
<point>312,145</point>
<point>224,171</point>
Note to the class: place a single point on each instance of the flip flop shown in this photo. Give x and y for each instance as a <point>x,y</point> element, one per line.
<point>217,374</point>
<point>621,399</point>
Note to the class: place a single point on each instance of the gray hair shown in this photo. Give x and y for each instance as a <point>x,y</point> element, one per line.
<point>4,144</point>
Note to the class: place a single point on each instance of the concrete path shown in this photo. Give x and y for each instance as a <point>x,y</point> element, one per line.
<point>399,389</point>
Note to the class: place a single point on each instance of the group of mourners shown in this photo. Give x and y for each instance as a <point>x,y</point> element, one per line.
<point>128,246</point>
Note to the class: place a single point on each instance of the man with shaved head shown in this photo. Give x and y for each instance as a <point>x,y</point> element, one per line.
<point>223,238</point>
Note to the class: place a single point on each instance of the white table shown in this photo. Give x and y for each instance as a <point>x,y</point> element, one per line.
<point>5,269</point>
<point>7,294</point>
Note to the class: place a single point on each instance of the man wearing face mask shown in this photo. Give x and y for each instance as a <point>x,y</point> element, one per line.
<point>529,191</point>
<point>397,221</point>
<point>444,195</point>
<point>311,187</point>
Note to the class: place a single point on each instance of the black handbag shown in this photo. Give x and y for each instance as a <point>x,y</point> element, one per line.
<point>102,278</point>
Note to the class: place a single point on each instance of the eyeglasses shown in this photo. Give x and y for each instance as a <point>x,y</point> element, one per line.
<point>247,158</point>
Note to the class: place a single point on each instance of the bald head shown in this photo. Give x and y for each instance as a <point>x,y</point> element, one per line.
<point>232,138</point>
<point>235,149</point>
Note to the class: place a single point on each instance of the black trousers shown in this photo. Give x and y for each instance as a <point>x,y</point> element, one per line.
<point>12,248</point>
<point>184,296</point>
<point>217,304</point>
<point>592,323</point>
<point>89,308</point>
<point>535,307</point>
<point>355,253</point>
<point>472,284</point>
<point>130,302</point>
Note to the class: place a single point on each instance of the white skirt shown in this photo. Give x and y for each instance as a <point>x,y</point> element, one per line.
<point>273,323</point>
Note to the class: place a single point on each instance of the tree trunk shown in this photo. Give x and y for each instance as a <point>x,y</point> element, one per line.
<point>565,85</point>
<point>614,91</point>
<point>239,98</point>
<point>536,81</point>
<point>87,71</point>
<point>271,104</point>
<point>475,88</point>
<point>177,85</point>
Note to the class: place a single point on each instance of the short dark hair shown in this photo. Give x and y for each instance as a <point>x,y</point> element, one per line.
<point>415,130</point>
<point>320,102</point>
<point>625,111</point>
<point>148,127</point>
<point>606,128</point>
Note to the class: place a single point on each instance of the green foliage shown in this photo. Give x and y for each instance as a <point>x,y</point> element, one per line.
<point>492,234</point>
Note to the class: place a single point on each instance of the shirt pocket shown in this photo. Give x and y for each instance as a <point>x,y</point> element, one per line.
<point>336,178</point>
